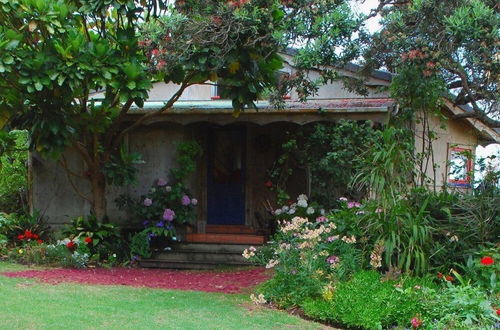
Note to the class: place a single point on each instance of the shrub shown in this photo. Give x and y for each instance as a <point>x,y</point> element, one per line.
<point>329,153</point>
<point>369,302</point>
<point>102,240</point>
<point>23,227</point>
<point>13,171</point>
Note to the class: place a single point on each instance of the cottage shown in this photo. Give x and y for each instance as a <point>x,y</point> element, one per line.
<point>229,181</point>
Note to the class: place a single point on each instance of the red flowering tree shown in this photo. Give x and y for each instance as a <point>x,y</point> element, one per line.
<point>440,46</point>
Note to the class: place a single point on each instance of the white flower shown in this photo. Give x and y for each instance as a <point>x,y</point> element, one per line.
<point>454,238</point>
<point>291,211</point>
<point>302,197</point>
<point>272,263</point>
<point>285,208</point>
<point>343,199</point>
<point>258,300</point>
<point>277,212</point>
<point>322,212</point>
<point>168,189</point>
<point>310,210</point>
<point>302,203</point>
<point>248,254</point>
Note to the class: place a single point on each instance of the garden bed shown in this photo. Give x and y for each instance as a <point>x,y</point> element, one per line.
<point>214,281</point>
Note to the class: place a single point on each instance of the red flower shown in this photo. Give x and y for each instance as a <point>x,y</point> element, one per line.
<point>71,245</point>
<point>39,241</point>
<point>20,237</point>
<point>487,261</point>
<point>498,311</point>
<point>88,240</point>
<point>449,278</point>
<point>28,234</point>
<point>440,275</point>
<point>268,184</point>
<point>35,236</point>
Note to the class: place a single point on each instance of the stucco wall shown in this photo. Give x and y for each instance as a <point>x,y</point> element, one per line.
<point>54,196</point>
<point>448,132</point>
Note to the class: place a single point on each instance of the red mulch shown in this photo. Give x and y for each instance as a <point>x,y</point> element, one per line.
<point>207,281</point>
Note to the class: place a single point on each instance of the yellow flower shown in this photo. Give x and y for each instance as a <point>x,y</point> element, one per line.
<point>20,251</point>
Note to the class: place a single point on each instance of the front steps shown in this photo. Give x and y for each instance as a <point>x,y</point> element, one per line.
<point>198,256</point>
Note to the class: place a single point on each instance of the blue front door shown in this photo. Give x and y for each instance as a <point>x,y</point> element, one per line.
<point>226,176</point>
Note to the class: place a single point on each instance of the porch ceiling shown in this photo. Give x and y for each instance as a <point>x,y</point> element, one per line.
<point>221,111</point>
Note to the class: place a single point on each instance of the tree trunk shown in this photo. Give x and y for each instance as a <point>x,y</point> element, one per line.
<point>98,182</point>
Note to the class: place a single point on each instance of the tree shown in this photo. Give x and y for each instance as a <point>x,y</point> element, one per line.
<point>53,54</point>
<point>441,48</point>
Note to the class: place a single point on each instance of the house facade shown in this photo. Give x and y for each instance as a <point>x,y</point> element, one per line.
<point>238,151</point>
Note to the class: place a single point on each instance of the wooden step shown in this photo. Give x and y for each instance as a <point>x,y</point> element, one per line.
<point>210,247</point>
<point>158,263</point>
<point>229,229</point>
<point>225,238</point>
<point>202,257</point>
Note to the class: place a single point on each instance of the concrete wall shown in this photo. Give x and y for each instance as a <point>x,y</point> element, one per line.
<point>449,132</point>
<point>162,91</point>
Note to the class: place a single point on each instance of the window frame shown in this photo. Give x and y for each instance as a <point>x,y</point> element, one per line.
<point>469,166</point>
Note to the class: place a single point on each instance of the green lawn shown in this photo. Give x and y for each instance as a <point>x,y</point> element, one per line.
<point>27,304</point>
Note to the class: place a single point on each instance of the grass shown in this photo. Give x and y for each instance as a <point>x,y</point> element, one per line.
<point>28,304</point>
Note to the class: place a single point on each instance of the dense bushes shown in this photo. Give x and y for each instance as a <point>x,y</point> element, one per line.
<point>369,301</point>
<point>13,171</point>
<point>319,261</point>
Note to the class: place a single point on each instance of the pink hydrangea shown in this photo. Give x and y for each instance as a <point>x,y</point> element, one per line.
<point>148,202</point>
<point>168,215</point>
<point>185,200</point>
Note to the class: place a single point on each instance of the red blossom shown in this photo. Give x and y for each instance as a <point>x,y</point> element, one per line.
<point>155,52</point>
<point>28,234</point>
<point>498,311</point>
<point>71,245</point>
<point>268,184</point>
<point>449,278</point>
<point>39,241</point>
<point>20,237</point>
<point>487,261</point>
<point>88,240</point>
<point>440,275</point>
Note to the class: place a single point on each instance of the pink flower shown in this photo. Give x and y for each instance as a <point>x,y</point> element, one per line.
<point>161,182</point>
<point>148,202</point>
<point>168,215</point>
<point>416,322</point>
<point>332,238</point>
<point>185,200</point>
<point>350,205</point>
<point>332,260</point>
<point>343,199</point>
<point>378,210</point>
<point>321,219</point>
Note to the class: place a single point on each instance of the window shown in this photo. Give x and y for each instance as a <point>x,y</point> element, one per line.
<point>460,166</point>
